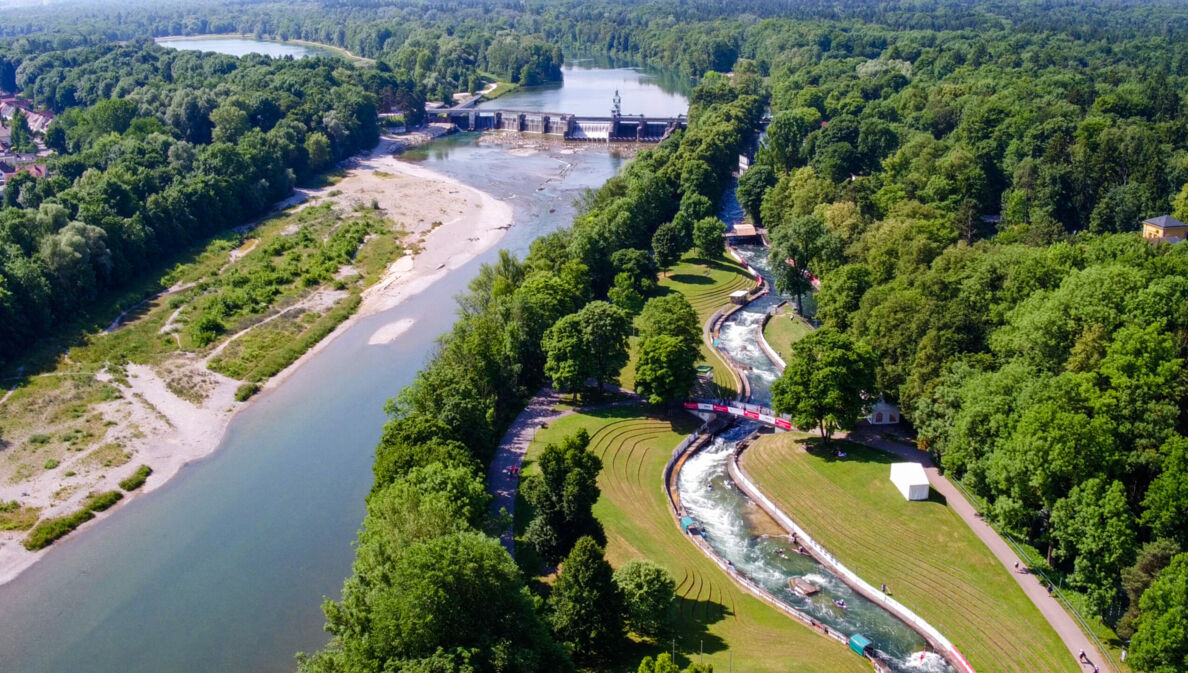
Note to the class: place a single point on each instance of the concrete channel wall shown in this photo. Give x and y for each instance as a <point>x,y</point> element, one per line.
<point>905,614</point>
<point>689,447</point>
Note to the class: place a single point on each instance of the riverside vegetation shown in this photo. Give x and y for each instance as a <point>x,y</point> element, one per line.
<point>519,321</point>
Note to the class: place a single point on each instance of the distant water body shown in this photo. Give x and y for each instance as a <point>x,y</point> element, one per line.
<point>242,46</point>
<point>591,91</point>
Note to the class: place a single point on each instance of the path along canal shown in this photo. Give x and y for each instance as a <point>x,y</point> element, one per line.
<point>739,531</point>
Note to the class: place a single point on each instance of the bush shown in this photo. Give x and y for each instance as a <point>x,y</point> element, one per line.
<point>39,440</point>
<point>103,501</point>
<point>51,463</point>
<point>137,479</point>
<point>245,391</point>
<point>46,532</point>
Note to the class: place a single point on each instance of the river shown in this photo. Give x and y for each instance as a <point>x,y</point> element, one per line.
<point>224,568</point>
<point>730,519</point>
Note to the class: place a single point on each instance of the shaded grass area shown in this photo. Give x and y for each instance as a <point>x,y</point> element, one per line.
<point>707,285</point>
<point>929,558</point>
<point>783,330</point>
<point>714,616</point>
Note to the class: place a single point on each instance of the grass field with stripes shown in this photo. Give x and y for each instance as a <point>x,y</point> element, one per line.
<point>929,558</point>
<point>731,627</point>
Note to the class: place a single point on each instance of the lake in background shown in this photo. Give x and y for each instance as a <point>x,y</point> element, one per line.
<point>225,567</point>
<point>242,46</point>
<point>590,91</point>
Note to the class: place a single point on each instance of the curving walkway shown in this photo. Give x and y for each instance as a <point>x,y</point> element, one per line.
<point>540,411</point>
<point>1062,622</point>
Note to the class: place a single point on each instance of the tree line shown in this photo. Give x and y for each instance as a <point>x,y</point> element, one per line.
<point>189,145</point>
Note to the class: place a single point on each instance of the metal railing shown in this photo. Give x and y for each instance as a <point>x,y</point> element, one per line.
<point>1034,569</point>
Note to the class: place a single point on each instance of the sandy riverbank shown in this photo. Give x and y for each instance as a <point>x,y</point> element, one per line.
<point>447,224</point>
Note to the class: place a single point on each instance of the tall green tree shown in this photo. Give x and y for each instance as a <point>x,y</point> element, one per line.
<point>799,248</point>
<point>649,593</point>
<point>1160,643</point>
<point>1095,528</point>
<point>667,246</point>
<point>586,604</point>
<point>562,497</point>
<point>752,185</point>
<point>707,238</point>
<point>568,362</point>
<point>670,315</point>
<point>666,370</point>
<point>827,382</point>
<point>605,329</point>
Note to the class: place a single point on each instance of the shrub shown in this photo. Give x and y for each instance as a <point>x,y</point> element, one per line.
<point>102,501</point>
<point>245,391</point>
<point>137,479</point>
<point>51,463</point>
<point>46,532</point>
<point>39,440</point>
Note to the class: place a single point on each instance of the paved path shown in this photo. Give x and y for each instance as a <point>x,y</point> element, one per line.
<point>1065,625</point>
<point>500,481</point>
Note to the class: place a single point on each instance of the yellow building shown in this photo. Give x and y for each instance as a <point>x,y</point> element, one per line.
<point>1165,228</point>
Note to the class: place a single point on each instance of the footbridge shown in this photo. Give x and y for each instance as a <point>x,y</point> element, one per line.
<point>616,128</point>
<point>752,412</point>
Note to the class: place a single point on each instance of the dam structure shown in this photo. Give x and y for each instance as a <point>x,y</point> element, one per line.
<point>612,129</point>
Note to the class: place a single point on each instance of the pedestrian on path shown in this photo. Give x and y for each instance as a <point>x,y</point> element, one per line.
<point>1016,566</point>
<point>1049,588</point>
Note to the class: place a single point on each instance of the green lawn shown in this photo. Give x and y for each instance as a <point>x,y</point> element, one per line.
<point>928,557</point>
<point>783,330</point>
<point>714,615</point>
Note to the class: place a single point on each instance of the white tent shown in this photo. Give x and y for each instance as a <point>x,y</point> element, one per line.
<point>910,479</point>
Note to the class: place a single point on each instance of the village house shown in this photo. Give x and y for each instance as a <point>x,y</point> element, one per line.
<point>1164,228</point>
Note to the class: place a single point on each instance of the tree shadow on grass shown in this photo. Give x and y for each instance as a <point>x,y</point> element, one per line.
<point>689,636</point>
<point>690,279</point>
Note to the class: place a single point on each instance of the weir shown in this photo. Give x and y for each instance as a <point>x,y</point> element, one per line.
<point>616,128</point>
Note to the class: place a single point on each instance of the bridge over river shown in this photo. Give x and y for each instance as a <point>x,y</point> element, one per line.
<point>616,128</point>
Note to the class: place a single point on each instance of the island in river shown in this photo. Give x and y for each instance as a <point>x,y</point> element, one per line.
<point>79,429</point>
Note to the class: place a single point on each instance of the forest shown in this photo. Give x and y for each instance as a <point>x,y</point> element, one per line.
<point>966,181</point>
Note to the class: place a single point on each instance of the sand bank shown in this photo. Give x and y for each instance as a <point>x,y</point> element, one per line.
<point>447,224</point>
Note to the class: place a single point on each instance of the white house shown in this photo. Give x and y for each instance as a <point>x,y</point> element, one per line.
<point>910,479</point>
<point>883,413</point>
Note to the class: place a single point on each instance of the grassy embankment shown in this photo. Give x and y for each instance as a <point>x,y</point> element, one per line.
<point>276,290</point>
<point>928,557</point>
<point>501,88</point>
<point>783,330</point>
<point>733,627</point>
<point>707,286</point>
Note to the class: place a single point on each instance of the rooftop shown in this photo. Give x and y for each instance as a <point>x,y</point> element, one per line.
<point>1165,222</point>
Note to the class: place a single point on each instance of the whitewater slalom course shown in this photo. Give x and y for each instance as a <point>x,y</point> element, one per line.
<point>758,562</point>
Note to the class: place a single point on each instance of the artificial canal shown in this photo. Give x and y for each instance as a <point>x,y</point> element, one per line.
<point>742,533</point>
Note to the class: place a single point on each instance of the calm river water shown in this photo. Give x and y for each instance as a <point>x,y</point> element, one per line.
<point>225,567</point>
